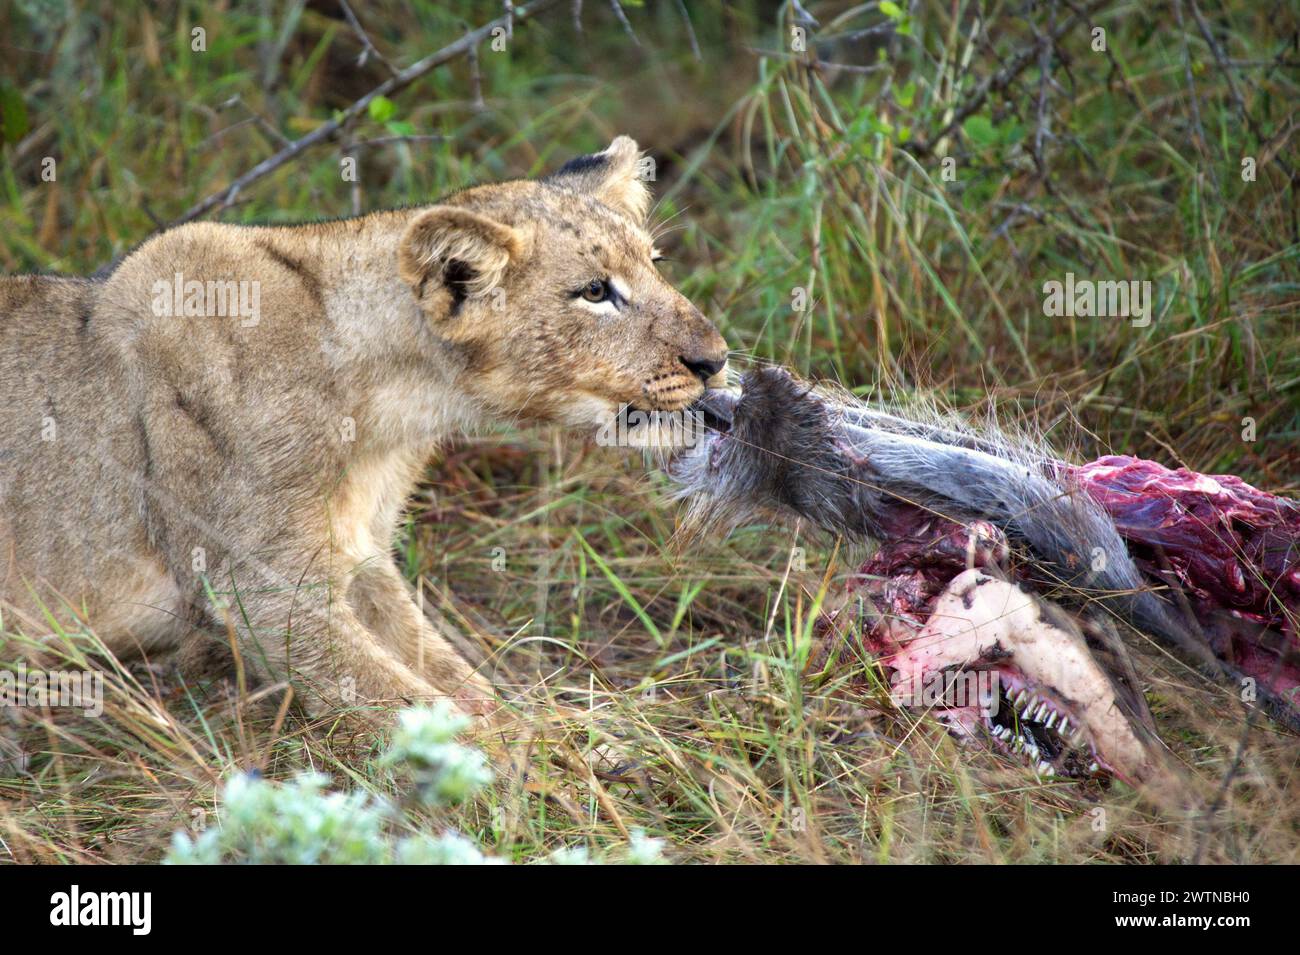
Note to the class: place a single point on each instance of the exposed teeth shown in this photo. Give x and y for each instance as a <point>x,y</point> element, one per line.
<point>1030,708</point>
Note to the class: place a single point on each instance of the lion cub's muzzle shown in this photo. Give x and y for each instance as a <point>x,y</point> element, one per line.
<point>676,389</point>
<point>705,367</point>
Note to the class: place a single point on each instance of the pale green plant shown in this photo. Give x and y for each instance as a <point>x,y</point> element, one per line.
<point>425,750</point>
<point>293,823</point>
<point>299,822</point>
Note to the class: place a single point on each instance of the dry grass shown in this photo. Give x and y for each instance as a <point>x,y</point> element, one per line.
<point>699,665</point>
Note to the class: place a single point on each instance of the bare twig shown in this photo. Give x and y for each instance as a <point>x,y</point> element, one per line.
<point>221,133</point>
<point>330,129</point>
<point>887,29</point>
<point>1220,58</point>
<point>1041,131</point>
<point>1115,69</point>
<point>1197,129</point>
<point>627,24</point>
<point>368,49</point>
<point>394,140</point>
<point>254,116</point>
<point>802,15</point>
<point>1000,80</point>
<point>690,30</point>
<point>820,64</point>
<point>475,80</point>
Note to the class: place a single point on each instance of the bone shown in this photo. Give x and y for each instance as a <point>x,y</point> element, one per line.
<point>980,618</point>
<point>856,471</point>
<point>791,453</point>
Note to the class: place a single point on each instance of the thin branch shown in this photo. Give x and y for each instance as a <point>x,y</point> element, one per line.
<point>1199,139</point>
<point>368,49</point>
<point>887,29</point>
<point>1115,69</point>
<point>1042,130</point>
<point>1220,57</point>
<point>330,129</point>
<point>475,80</point>
<point>820,65</point>
<point>627,24</point>
<point>802,15</point>
<point>1001,80</point>
<point>690,30</point>
<point>254,116</point>
<point>394,140</point>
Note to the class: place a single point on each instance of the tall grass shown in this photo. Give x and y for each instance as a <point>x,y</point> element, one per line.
<point>686,692</point>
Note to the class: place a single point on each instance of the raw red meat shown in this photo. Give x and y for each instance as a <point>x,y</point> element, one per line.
<point>1231,548</point>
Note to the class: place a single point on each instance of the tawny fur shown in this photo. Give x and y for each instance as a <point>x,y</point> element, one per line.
<point>147,458</point>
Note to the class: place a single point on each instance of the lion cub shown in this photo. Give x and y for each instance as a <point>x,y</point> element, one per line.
<point>228,426</point>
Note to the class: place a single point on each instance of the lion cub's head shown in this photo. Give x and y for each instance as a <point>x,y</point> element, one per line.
<point>549,291</point>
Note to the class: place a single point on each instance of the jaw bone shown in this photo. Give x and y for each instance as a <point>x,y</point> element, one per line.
<point>780,449</point>
<point>981,622</point>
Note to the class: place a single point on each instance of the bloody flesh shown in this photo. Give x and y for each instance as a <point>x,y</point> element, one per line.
<point>1229,547</point>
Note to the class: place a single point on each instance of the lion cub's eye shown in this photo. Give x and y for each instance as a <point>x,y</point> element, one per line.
<point>597,290</point>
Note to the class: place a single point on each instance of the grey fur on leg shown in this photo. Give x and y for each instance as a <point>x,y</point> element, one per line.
<point>793,452</point>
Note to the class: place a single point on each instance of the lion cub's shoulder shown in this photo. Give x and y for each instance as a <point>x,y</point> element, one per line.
<point>35,307</point>
<point>21,291</point>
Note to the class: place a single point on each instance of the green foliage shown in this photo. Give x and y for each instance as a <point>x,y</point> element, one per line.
<point>299,823</point>
<point>13,113</point>
<point>424,748</point>
<point>290,823</point>
<point>381,109</point>
<point>775,172</point>
<point>260,822</point>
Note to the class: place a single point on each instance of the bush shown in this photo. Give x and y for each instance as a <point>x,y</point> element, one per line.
<point>261,822</point>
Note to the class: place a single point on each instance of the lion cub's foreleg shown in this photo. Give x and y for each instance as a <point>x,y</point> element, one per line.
<point>300,627</point>
<point>315,640</point>
<point>382,598</point>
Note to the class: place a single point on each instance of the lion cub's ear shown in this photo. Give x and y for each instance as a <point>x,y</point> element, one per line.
<point>461,250</point>
<point>611,176</point>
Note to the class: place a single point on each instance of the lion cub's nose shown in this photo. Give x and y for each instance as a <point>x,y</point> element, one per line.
<point>703,368</point>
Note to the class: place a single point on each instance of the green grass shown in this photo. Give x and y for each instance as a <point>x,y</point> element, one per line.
<point>701,664</point>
